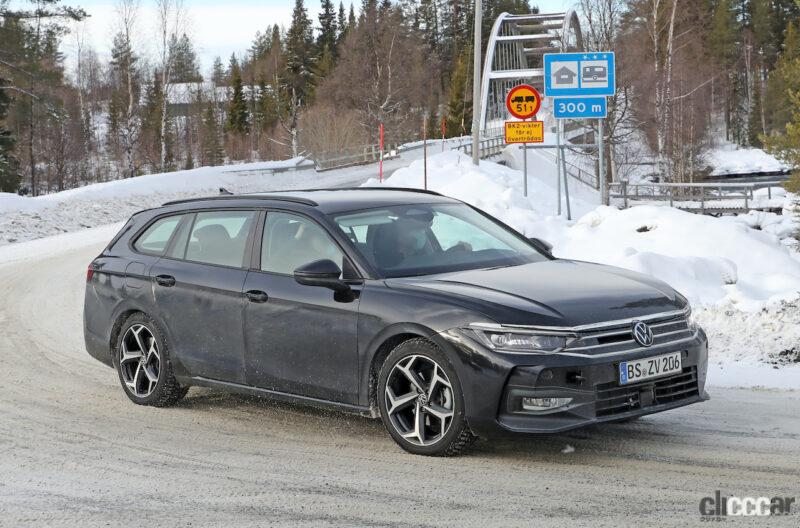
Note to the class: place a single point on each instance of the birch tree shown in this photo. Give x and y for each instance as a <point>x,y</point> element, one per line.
<point>170,25</point>
<point>127,15</point>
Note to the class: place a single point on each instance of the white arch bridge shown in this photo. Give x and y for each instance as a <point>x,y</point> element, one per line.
<point>514,56</point>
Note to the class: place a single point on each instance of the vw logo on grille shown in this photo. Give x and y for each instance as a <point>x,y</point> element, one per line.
<point>642,333</point>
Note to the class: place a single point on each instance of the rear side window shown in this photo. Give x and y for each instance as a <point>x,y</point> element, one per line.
<point>220,237</point>
<point>155,239</point>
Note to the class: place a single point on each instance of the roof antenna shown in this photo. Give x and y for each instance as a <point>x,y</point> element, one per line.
<point>224,192</point>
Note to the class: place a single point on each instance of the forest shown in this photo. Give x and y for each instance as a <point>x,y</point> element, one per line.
<point>690,72</point>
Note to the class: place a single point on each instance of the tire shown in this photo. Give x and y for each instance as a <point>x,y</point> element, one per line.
<point>417,376</point>
<point>141,357</point>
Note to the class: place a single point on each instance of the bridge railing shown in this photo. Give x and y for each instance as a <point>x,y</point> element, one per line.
<point>487,147</point>
<point>706,198</point>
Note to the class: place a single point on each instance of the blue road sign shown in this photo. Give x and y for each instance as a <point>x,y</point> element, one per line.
<point>579,107</point>
<point>579,74</point>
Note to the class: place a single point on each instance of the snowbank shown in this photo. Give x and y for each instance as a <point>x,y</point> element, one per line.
<point>26,218</point>
<point>727,158</point>
<point>736,271</point>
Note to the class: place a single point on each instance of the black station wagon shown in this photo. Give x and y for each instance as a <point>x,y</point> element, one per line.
<point>394,303</point>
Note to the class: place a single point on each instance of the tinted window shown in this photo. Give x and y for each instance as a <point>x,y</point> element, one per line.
<point>291,241</point>
<point>220,237</point>
<point>423,239</point>
<point>155,239</point>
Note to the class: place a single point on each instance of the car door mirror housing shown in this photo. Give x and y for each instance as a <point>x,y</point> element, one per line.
<point>544,245</point>
<point>325,273</point>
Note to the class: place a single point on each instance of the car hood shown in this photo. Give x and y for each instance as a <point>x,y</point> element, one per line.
<point>553,293</point>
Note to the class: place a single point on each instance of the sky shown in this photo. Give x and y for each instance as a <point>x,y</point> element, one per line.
<point>218,28</point>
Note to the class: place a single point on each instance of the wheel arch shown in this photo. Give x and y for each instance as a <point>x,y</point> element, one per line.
<point>382,346</point>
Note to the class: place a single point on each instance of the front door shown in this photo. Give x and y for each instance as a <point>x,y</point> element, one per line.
<point>300,339</point>
<point>198,292</point>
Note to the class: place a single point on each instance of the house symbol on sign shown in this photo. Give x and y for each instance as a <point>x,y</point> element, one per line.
<point>564,76</point>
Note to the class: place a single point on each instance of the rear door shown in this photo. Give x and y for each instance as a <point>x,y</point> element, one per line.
<point>198,291</point>
<point>300,339</point>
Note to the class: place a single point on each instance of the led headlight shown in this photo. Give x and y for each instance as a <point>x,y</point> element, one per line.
<point>521,342</point>
<point>691,324</point>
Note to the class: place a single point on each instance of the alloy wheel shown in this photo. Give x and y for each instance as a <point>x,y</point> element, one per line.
<point>139,361</point>
<point>419,400</point>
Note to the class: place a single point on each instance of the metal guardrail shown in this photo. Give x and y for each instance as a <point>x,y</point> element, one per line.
<point>348,157</point>
<point>487,147</point>
<point>706,198</point>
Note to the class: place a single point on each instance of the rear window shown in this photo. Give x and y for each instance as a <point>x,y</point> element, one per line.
<point>155,239</point>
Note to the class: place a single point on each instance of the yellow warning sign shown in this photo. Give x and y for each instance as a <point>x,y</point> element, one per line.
<point>524,132</point>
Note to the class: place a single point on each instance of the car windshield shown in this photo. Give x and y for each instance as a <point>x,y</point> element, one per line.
<point>411,240</point>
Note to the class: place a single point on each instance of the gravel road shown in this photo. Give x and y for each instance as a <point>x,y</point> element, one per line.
<point>74,450</point>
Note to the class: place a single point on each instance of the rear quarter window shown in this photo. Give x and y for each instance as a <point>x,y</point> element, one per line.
<point>155,239</point>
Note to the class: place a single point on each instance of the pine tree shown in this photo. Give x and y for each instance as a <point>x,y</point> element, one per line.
<point>299,75</point>
<point>218,72</point>
<point>782,82</point>
<point>327,28</point>
<point>341,25</point>
<point>185,68</point>
<point>351,18</point>
<point>458,121</point>
<point>786,146</point>
<point>723,43</point>
<point>213,152</point>
<point>237,107</point>
<point>10,176</point>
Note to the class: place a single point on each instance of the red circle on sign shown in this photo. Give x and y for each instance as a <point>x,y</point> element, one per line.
<point>523,108</point>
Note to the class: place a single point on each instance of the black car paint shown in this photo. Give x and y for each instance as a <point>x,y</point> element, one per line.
<point>305,344</point>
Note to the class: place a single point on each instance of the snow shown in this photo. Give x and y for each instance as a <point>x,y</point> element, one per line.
<point>27,218</point>
<point>727,158</point>
<point>737,272</point>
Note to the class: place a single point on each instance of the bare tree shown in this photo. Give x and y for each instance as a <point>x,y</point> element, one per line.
<point>602,19</point>
<point>171,21</point>
<point>127,13</point>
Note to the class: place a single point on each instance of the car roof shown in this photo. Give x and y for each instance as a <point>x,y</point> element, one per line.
<point>328,201</point>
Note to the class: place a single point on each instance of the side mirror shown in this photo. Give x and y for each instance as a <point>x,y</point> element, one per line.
<point>324,273</point>
<point>545,246</point>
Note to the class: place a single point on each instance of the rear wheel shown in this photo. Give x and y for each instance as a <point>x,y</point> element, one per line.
<point>421,402</point>
<point>143,364</point>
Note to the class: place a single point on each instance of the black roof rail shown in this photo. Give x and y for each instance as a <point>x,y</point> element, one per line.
<point>276,197</point>
<point>404,189</point>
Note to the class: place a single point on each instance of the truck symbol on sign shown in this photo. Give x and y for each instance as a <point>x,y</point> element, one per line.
<point>595,74</point>
<point>518,99</point>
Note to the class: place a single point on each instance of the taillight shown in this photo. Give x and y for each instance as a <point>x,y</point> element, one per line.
<point>89,273</point>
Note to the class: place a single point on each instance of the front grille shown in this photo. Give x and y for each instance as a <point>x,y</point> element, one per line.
<point>615,399</point>
<point>619,338</point>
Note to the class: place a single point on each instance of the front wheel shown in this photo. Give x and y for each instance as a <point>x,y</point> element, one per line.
<point>421,402</point>
<point>143,364</point>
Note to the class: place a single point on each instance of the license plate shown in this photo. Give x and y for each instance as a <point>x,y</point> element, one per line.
<point>652,367</point>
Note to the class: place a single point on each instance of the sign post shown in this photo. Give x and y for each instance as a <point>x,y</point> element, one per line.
<point>523,102</point>
<point>579,84</point>
<point>380,170</point>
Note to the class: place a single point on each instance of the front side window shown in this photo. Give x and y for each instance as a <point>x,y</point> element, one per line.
<point>155,239</point>
<point>409,240</point>
<point>220,237</point>
<point>291,241</point>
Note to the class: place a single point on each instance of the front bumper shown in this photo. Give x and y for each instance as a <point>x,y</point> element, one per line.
<point>494,384</point>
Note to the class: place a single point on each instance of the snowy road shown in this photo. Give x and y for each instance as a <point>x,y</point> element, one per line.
<point>75,451</point>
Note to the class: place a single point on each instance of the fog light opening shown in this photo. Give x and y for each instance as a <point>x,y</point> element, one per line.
<point>544,404</point>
